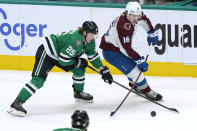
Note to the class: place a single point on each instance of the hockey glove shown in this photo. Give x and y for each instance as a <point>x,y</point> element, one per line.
<point>152,38</point>
<point>81,63</point>
<point>142,65</point>
<point>106,76</point>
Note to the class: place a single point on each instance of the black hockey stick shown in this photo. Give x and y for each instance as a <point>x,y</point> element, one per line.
<point>172,109</point>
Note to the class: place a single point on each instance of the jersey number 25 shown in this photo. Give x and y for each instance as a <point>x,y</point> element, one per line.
<point>70,50</point>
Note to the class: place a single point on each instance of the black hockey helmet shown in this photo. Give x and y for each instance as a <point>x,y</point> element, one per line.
<point>90,27</point>
<point>80,119</point>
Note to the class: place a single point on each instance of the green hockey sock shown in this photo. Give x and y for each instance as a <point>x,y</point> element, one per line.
<point>30,88</point>
<point>78,87</point>
<point>24,95</point>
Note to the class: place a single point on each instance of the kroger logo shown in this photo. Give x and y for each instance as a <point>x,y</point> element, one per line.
<point>20,30</point>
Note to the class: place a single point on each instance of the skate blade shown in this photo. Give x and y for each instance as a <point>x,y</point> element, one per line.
<point>14,112</point>
<point>84,101</point>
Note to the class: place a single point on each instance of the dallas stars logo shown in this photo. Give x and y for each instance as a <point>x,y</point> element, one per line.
<point>78,43</point>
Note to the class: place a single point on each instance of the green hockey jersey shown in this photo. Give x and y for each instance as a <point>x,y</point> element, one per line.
<point>70,45</point>
<point>67,129</point>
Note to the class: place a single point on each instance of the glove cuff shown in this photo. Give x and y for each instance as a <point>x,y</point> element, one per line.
<point>105,70</point>
<point>140,60</point>
<point>153,33</point>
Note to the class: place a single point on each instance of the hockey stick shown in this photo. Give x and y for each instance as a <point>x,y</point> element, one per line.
<point>172,109</point>
<point>113,112</point>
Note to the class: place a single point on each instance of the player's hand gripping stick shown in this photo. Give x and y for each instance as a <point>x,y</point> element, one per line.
<point>130,90</point>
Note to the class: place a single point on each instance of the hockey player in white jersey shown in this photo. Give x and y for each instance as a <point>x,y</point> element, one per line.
<point>116,45</point>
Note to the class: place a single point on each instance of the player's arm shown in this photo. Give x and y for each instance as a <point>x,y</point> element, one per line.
<point>94,59</point>
<point>93,56</point>
<point>152,37</point>
<point>145,23</point>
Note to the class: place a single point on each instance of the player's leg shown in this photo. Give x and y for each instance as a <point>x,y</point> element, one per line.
<point>142,85</point>
<point>119,60</point>
<point>41,68</point>
<point>78,85</point>
<point>128,67</point>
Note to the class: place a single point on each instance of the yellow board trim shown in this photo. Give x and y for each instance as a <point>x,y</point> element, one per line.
<point>26,63</point>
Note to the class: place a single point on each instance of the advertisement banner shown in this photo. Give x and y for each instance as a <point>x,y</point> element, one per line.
<point>23,26</point>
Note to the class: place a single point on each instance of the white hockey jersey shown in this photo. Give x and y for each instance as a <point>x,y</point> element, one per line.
<point>120,34</point>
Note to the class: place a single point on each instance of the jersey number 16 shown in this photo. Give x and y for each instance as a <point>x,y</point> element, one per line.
<point>126,39</point>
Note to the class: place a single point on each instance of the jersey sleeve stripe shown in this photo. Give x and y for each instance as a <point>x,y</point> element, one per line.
<point>65,56</point>
<point>64,60</point>
<point>49,45</point>
<point>93,57</point>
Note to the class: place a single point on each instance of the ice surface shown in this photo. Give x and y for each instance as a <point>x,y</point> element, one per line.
<point>52,105</point>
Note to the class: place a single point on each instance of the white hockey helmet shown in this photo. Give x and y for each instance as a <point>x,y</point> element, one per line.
<point>134,8</point>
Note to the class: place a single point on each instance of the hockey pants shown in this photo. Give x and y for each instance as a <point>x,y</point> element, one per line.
<point>127,66</point>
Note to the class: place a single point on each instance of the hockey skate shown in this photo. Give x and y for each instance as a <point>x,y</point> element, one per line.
<point>151,95</point>
<point>83,97</point>
<point>17,109</point>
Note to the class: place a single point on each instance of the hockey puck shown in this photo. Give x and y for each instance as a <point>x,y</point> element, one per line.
<point>153,113</point>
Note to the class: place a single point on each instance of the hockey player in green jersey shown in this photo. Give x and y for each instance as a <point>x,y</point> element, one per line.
<point>64,51</point>
<point>80,122</point>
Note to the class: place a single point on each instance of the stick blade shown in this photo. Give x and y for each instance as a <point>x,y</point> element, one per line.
<point>112,113</point>
<point>173,109</point>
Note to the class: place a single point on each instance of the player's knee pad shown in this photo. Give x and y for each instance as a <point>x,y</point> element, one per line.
<point>133,74</point>
<point>37,82</point>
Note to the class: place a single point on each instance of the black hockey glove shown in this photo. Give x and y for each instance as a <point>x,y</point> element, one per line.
<point>106,76</point>
<point>81,63</point>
